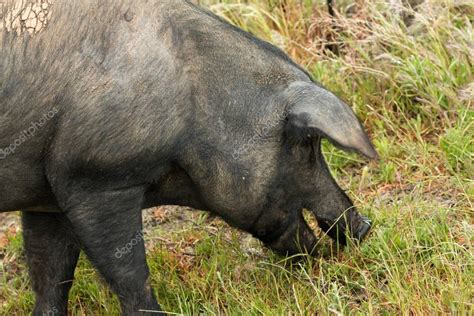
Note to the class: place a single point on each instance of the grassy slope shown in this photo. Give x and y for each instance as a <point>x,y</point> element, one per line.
<point>413,87</point>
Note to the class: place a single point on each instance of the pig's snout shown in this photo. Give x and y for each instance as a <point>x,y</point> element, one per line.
<point>365,224</point>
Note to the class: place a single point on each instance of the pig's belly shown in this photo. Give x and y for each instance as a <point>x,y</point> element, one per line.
<point>23,186</point>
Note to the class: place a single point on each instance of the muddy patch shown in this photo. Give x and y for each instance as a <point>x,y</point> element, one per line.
<point>22,16</point>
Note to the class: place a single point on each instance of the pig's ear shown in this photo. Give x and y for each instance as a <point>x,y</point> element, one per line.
<point>315,111</point>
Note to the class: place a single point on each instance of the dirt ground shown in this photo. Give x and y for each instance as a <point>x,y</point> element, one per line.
<point>156,221</point>
<point>8,222</point>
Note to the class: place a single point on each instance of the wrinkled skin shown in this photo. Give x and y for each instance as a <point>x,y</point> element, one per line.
<point>134,104</point>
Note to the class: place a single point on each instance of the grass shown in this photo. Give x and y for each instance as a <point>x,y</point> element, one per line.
<point>409,76</point>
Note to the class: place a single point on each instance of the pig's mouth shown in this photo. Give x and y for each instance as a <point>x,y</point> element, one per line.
<point>295,236</point>
<point>299,238</point>
<point>354,226</point>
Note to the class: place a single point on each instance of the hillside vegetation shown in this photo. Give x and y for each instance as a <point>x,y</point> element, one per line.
<point>408,73</point>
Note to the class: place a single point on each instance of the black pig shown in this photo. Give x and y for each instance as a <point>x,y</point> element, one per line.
<point>116,106</point>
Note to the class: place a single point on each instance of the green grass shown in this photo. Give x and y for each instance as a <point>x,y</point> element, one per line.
<point>413,87</point>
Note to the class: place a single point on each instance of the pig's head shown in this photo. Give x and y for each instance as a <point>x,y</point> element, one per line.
<point>259,169</point>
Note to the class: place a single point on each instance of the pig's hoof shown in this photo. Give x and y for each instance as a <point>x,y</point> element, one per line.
<point>365,226</point>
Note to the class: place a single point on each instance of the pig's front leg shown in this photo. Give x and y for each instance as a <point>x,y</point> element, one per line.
<point>109,227</point>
